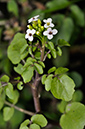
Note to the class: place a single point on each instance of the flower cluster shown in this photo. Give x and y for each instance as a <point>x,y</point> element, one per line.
<point>37,28</point>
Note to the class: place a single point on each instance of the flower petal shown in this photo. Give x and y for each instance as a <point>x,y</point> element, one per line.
<point>33,31</point>
<point>50,36</point>
<point>49,29</point>
<point>46,26</point>
<point>30,20</point>
<point>49,20</point>
<point>45,33</point>
<point>36,16</point>
<point>26,36</point>
<point>51,25</point>
<point>30,38</point>
<point>54,31</point>
<point>45,20</point>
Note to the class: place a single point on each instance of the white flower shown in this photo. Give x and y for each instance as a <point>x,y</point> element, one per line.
<point>48,23</point>
<point>30,34</point>
<point>49,33</point>
<point>35,18</point>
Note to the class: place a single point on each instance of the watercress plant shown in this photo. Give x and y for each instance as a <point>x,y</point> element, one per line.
<point>28,53</point>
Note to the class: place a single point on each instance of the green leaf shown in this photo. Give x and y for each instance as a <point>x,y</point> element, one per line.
<point>66,29</point>
<point>9,91</point>
<point>77,96</point>
<point>50,45</point>
<point>19,85</point>
<point>39,119</point>
<point>15,96</point>
<point>48,82</point>
<point>24,124</point>
<point>41,63</point>
<point>43,79</point>
<point>63,87</point>
<point>4,78</point>
<point>19,69</point>
<point>63,60</point>
<point>59,51</point>
<point>61,70</point>
<point>61,106</point>
<point>77,78</point>
<point>62,42</point>
<point>78,15</point>
<point>28,74</point>
<point>12,7</point>
<point>17,118</point>
<point>57,5</point>
<point>34,126</point>
<point>30,50</point>
<point>38,68</point>
<point>49,56</point>
<point>74,118</point>
<point>8,113</point>
<point>51,70</point>
<point>17,49</point>
<point>2,122</point>
<point>53,52</point>
<point>2,99</point>
<point>29,61</point>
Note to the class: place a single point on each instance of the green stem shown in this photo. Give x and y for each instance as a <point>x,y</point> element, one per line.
<point>42,52</point>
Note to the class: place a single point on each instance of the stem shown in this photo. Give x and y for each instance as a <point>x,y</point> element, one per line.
<point>42,52</point>
<point>19,109</point>
<point>3,85</point>
<point>35,93</point>
<point>46,55</point>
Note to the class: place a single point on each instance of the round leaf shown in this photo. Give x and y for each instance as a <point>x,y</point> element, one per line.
<point>48,82</point>
<point>39,119</point>
<point>74,118</point>
<point>24,124</point>
<point>17,49</point>
<point>28,74</point>
<point>63,87</point>
<point>34,126</point>
<point>4,78</point>
<point>8,113</point>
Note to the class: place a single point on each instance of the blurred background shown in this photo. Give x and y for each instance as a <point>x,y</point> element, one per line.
<point>69,19</point>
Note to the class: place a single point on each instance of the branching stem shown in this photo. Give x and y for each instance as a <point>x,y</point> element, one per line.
<point>35,93</point>
<point>19,109</point>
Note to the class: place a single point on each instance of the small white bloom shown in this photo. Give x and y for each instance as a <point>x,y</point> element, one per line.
<point>48,23</point>
<point>35,18</point>
<point>49,33</point>
<point>30,34</point>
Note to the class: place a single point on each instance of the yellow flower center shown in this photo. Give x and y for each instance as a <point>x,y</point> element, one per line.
<point>48,23</point>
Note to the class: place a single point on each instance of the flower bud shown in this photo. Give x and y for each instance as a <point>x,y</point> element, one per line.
<point>42,28</point>
<point>37,32</point>
<point>39,25</point>
<point>39,21</point>
<point>34,25</point>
